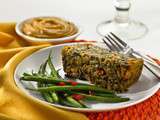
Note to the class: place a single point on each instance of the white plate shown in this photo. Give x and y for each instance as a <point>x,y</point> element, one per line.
<point>146,86</point>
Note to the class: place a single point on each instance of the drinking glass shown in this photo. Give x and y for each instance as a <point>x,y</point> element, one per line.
<point>122,25</point>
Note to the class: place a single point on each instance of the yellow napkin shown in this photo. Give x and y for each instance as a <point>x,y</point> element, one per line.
<point>15,104</point>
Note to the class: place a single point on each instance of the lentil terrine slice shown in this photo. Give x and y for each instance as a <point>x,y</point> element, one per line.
<point>104,68</point>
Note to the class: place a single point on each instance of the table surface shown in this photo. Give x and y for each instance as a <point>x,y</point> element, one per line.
<point>88,13</point>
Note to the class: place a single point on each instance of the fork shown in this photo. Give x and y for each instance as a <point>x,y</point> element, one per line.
<point>116,44</point>
<point>121,46</point>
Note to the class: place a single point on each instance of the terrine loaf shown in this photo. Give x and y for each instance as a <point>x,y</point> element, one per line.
<point>104,68</point>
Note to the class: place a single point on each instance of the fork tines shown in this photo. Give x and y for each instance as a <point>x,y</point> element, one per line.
<point>118,39</point>
<point>114,43</point>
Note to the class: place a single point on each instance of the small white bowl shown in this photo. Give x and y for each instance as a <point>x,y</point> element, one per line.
<point>48,40</point>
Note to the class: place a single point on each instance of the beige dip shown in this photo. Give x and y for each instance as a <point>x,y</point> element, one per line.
<point>48,27</point>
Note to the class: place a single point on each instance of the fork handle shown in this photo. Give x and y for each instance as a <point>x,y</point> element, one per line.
<point>152,67</point>
<point>147,59</point>
<point>152,70</point>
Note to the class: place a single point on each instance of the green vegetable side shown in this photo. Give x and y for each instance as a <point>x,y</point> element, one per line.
<point>55,89</point>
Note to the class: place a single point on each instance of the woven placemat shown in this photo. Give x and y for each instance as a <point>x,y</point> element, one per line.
<point>147,110</point>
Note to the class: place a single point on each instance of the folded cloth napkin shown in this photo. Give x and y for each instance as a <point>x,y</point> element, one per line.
<point>14,103</point>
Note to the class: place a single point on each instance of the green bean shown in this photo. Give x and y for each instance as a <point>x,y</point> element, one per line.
<point>41,71</point>
<point>47,80</point>
<point>53,70</point>
<point>26,74</point>
<point>65,102</point>
<point>54,75</point>
<point>105,95</point>
<point>109,99</point>
<point>94,94</point>
<point>104,99</point>
<point>68,88</point>
<point>52,95</point>
<point>47,97</point>
<point>83,104</point>
<point>74,102</point>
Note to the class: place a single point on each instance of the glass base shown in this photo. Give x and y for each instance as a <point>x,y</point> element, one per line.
<point>128,31</point>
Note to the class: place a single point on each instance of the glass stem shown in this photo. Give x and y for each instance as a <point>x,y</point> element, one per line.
<point>122,11</point>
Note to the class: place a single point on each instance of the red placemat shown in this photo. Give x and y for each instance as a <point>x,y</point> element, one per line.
<point>147,110</point>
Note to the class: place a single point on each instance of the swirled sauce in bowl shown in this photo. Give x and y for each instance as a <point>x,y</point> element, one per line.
<point>47,29</point>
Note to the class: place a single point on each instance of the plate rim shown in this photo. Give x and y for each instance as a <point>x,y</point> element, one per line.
<point>154,89</point>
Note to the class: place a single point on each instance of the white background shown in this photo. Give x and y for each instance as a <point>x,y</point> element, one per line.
<point>88,13</point>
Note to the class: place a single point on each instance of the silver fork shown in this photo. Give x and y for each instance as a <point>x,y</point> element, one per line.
<point>121,46</point>
<point>116,44</point>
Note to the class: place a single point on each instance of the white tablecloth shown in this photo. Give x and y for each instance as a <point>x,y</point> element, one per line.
<point>88,13</point>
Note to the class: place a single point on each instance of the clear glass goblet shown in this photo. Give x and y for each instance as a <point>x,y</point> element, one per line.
<point>122,25</point>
